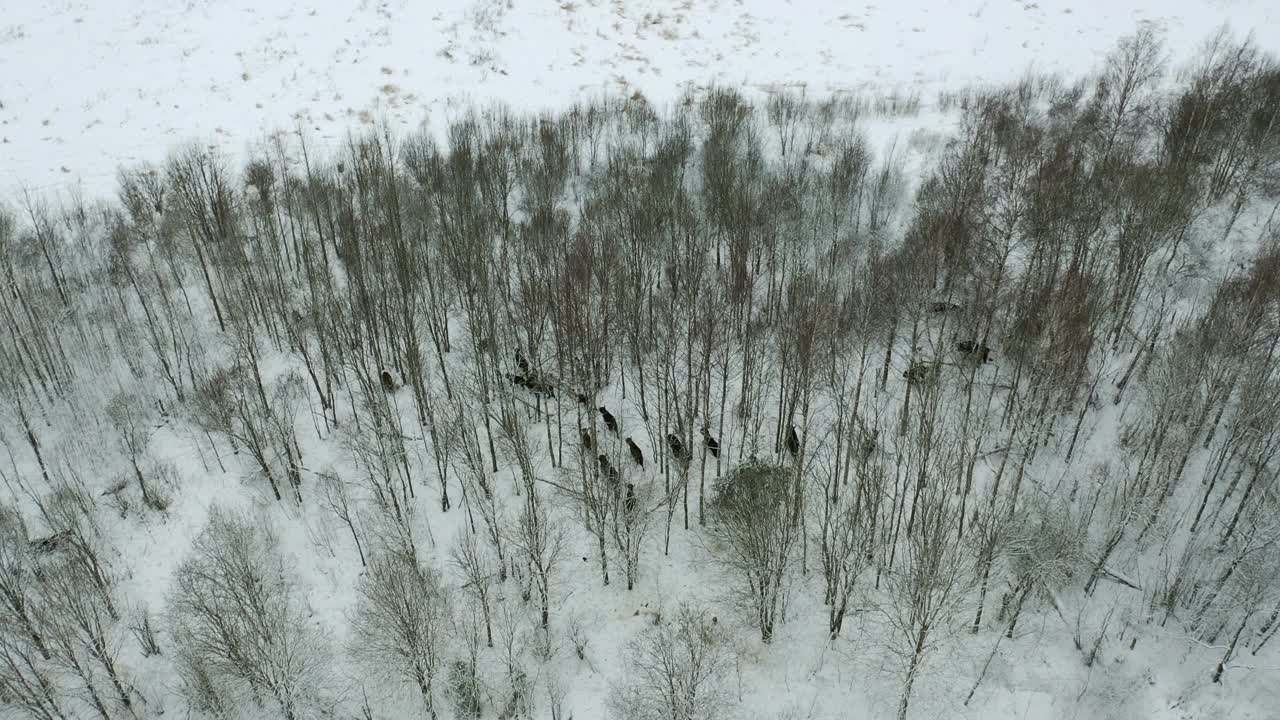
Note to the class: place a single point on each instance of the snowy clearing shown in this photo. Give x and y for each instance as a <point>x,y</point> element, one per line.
<point>86,86</point>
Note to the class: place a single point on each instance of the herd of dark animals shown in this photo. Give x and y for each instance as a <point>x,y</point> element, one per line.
<point>531,379</point>
<point>611,474</point>
<point>975,351</point>
<point>971,353</point>
<point>920,372</point>
<point>535,383</point>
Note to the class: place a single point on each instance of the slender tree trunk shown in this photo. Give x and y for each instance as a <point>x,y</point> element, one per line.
<point>912,669</point>
<point>1231,648</point>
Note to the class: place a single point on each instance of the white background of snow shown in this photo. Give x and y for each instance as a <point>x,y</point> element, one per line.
<point>89,84</point>
<point>86,86</point>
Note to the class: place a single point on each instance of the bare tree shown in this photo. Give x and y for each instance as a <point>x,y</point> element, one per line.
<point>676,670</point>
<point>1042,549</point>
<point>202,190</point>
<point>632,512</point>
<point>478,490</point>
<point>397,631</point>
<point>536,535</point>
<point>475,566</point>
<point>235,403</point>
<point>377,446</point>
<point>131,420</point>
<point>337,497</point>
<point>847,535</point>
<point>1248,583</point>
<point>541,543</point>
<point>26,676</point>
<point>1122,99</point>
<point>753,524</point>
<point>241,621</point>
<point>26,682</point>
<point>464,685</point>
<point>928,586</point>
<point>84,637</point>
<point>70,513</point>
<point>16,582</point>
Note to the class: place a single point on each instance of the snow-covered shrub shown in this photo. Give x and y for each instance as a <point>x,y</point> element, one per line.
<point>675,671</point>
<point>464,689</point>
<point>398,626</point>
<point>240,624</point>
<point>753,520</point>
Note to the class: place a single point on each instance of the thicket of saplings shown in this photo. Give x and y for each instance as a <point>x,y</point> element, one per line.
<point>1028,387</point>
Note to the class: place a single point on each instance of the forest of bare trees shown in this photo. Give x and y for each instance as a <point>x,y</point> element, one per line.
<point>1026,368</point>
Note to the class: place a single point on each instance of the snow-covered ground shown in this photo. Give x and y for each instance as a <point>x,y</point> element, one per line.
<point>86,85</point>
<point>89,85</point>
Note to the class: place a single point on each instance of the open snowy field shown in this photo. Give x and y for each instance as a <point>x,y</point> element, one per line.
<point>86,85</point>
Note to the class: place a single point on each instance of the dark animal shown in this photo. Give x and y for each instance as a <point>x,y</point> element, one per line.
<point>522,362</point>
<point>609,421</point>
<point>52,544</point>
<point>868,446</point>
<point>635,452</point>
<point>943,307</point>
<point>388,381</point>
<point>793,440</point>
<point>609,470</point>
<point>629,505</point>
<point>540,385</point>
<point>921,373</point>
<point>517,380</point>
<point>586,438</point>
<point>677,448</point>
<point>974,351</point>
<point>712,445</point>
<point>583,399</point>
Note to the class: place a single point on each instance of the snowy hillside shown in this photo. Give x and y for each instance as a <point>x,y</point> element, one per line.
<point>639,360</point>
